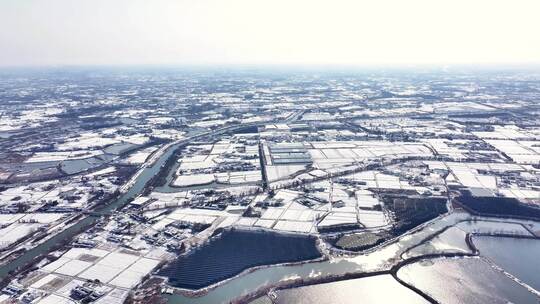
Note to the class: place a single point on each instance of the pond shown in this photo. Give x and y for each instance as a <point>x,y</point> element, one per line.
<point>517,256</point>
<point>382,259</point>
<point>464,280</point>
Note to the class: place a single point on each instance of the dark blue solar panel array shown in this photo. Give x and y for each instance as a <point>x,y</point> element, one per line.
<point>232,252</point>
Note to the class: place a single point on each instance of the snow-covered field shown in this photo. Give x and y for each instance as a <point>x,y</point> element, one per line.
<point>140,157</point>
<point>193,180</point>
<point>115,269</point>
<point>60,156</point>
<point>15,232</point>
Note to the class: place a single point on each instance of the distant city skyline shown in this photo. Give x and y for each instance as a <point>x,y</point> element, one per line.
<point>301,32</point>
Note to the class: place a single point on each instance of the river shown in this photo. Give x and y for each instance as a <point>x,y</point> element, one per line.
<point>517,256</point>
<point>134,190</point>
<point>89,220</point>
<point>464,280</point>
<point>381,259</point>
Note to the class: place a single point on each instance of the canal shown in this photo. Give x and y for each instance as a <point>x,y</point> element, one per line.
<point>86,222</point>
<point>381,259</point>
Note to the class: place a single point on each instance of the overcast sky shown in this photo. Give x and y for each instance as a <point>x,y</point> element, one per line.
<point>355,32</point>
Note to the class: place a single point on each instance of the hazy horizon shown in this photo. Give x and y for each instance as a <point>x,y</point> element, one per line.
<point>265,33</point>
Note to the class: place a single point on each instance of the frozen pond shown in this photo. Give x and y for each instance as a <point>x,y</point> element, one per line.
<point>370,290</point>
<point>451,240</point>
<point>464,280</point>
<point>382,259</point>
<point>519,257</point>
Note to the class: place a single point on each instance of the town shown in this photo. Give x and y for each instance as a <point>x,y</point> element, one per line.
<point>250,186</point>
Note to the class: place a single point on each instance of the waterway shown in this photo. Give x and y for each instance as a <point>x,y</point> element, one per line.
<point>235,250</point>
<point>88,221</point>
<point>451,240</point>
<point>381,259</point>
<point>136,189</point>
<point>465,280</point>
<point>517,256</point>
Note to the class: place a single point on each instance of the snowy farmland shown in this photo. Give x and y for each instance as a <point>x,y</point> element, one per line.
<point>330,154</point>
<point>115,269</point>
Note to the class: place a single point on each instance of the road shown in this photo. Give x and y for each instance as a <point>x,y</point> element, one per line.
<point>133,188</point>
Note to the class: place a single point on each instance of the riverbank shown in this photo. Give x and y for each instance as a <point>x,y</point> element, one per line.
<point>30,257</point>
<point>256,282</point>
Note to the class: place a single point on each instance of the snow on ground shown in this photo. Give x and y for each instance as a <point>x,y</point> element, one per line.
<point>331,154</point>
<point>197,162</point>
<point>524,152</point>
<point>372,218</point>
<point>193,180</point>
<point>113,268</point>
<point>140,157</point>
<point>60,156</point>
<point>55,299</point>
<point>15,232</point>
<point>366,199</point>
<point>116,296</point>
<point>338,218</point>
<point>86,141</point>
<point>291,216</point>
